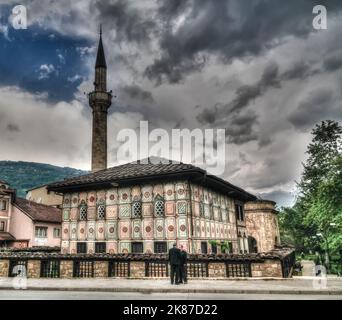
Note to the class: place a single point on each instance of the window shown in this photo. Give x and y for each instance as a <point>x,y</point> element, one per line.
<point>214,248</point>
<point>159,207</point>
<point>160,247</point>
<point>137,247</point>
<point>100,247</point>
<point>101,211</point>
<point>204,247</point>
<point>136,209</point>
<point>202,212</point>
<point>3,205</point>
<point>56,232</point>
<point>81,247</point>
<point>2,225</point>
<point>239,212</point>
<point>83,212</point>
<point>41,232</point>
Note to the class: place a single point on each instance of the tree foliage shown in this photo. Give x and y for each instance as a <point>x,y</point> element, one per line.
<point>318,209</point>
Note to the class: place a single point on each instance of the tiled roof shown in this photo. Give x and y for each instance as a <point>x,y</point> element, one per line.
<point>127,171</point>
<point>144,169</point>
<point>39,212</point>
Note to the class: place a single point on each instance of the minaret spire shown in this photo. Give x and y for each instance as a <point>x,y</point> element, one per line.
<point>100,101</point>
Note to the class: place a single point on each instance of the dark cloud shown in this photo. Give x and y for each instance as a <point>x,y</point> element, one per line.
<point>316,107</point>
<point>244,95</point>
<point>129,24</point>
<point>240,128</point>
<point>333,63</point>
<point>137,93</point>
<point>12,127</point>
<point>227,28</point>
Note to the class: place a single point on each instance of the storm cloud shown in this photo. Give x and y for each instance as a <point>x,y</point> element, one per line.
<point>256,68</point>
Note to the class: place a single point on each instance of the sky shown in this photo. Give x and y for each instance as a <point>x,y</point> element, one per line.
<point>256,68</point>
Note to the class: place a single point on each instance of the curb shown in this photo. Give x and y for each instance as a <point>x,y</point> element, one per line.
<point>176,290</point>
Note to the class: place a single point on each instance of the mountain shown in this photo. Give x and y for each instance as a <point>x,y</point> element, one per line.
<point>26,175</point>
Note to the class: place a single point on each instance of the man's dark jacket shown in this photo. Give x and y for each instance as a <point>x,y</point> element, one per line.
<point>175,256</point>
<point>184,257</point>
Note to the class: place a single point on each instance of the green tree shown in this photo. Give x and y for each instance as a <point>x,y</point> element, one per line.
<point>317,202</point>
<point>324,148</point>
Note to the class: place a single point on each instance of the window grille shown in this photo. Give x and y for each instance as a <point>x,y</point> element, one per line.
<point>160,247</point>
<point>100,247</point>
<point>49,268</point>
<point>159,208</point>
<point>101,211</point>
<point>136,209</point>
<point>83,213</point>
<point>137,247</point>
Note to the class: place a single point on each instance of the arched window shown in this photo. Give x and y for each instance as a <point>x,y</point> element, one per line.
<point>136,209</point>
<point>253,245</point>
<point>159,208</point>
<point>83,211</point>
<point>101,211</point>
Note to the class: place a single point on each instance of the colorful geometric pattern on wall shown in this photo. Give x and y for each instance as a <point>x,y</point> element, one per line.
<point>125,210</point>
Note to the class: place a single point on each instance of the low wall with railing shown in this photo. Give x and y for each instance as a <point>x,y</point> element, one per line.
<point>277,264</point>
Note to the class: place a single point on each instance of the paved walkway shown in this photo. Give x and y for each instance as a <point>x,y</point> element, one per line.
<point>297,285</point>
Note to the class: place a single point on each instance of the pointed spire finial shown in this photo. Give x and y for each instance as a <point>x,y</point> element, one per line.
<point>100,59</point>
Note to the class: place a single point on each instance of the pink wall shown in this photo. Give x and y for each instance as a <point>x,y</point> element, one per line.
<point>23,228</point>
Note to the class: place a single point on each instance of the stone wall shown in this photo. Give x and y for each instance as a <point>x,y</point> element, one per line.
<point>101,269</point>
<point>66,268</point>
<point>267,269</point>
<point>137,269</point>
<point>277,263</point>
<point>33,268</point>
<point>217,270</point>
<point>4,265</point>
<point>262,224</point>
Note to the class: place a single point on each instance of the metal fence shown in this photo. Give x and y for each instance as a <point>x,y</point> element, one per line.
<point>157,269</point>
<point>197,269</point>
<point>238,270</point>
<point>50,269</point>
<point>119,269</point>
<point>17,267</point>
<point>83,269</point>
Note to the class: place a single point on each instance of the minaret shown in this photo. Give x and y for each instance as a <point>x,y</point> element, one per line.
<point>100,100</point>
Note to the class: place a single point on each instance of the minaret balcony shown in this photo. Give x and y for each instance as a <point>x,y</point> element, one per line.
<point>100,97</point>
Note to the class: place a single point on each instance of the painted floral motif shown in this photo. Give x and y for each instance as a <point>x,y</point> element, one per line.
<point>91,230</point>
<point>74,200</point>
<point>101,230</point>
<point>169,192</point>
<point>146,194</point>
<point>124,229</point>
<point>125,196</point>
<point>65,231</point>
<point>92,199</point>
<point>182,227</point>
<point>136,229</point>
<point>111,230</point>
<point>148,229</point>
<point>171,228</point>
<point>74,230</point>
<point>160,228</point>
<point>112,197</point>
<point>82,230</point>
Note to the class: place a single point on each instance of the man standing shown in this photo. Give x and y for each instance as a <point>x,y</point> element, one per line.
<point>183,271</point>
<point>175,259</point>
